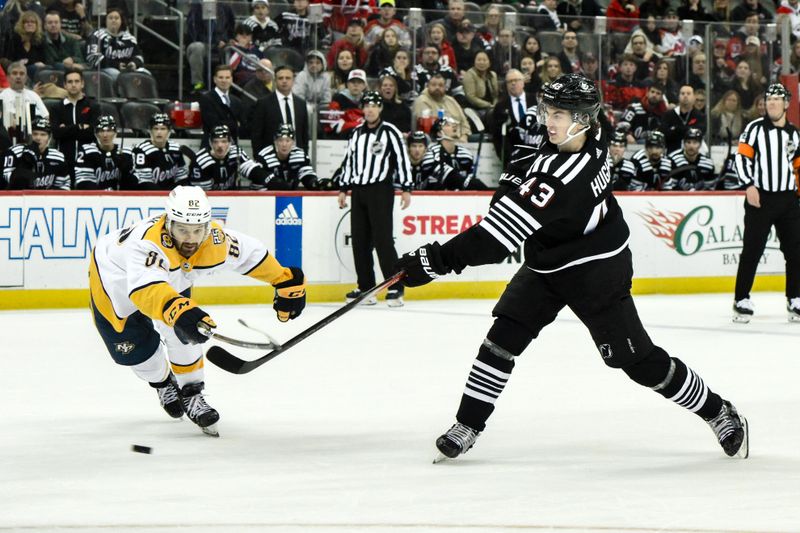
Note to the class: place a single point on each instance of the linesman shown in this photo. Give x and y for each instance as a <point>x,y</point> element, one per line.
<point>767,164</point>
<point>376,159</point>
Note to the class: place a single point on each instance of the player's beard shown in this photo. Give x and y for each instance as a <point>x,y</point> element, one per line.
<point>188,249</point>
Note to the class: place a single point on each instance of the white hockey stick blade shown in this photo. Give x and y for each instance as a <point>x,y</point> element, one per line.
<point>272,341</point>
<point>476,120</point>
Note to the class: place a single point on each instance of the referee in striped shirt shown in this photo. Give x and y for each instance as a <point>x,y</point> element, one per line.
<point>376,159</point>
<point>767,164</point>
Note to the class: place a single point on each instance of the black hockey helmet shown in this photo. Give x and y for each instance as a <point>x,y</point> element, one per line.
<point>655,138</point>
<point>573,92</point>
<point>221,132</point>
<point>372,97</point>
<point>777,89</point>
<point>417,137</point>
<point>619,137</point>
<point>41,124</point>
<point>284,130</point>
<point>160,119</point>
<point>693,134</point>
<point>106,123</point>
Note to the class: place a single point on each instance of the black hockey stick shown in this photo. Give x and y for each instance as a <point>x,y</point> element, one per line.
<point>230,363</point>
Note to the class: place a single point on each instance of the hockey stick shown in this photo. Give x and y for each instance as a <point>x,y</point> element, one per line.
<point>476,120</point>
<point>230,363</point>
<point>208,332</point>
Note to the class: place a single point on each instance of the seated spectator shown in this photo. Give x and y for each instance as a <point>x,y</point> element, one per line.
<point>74,117</point>
<point>692,171</point>
<point>700,100</point>
<point>437,36</point>
<point>673,42</point>
<point>265,32</point>
<point>61,51</point>
<point>296,31</point>
<point>10,14</point>
<point>655,8</point>
<point>533,48</point>
<point>381,54</point>
<point>20,104</point>
<point>430,65</point>
<point>746,7</point>
<point>434,98</point>
<point>451,22</point>
<point>591,67</point>
<point>218,107</point>
<point>447,165</point>
<point>337,16</point>
<point>623,16</point>
<point>721,71</point>
<point>492,24</point>
<point>387,19</point>
<point>354,41</point>
<point>400,70</point>
<point>569,12</point>
<point>74,21</point>
<point>642,50</point>
<point>244,55</point>
<point>466,45</point>
<point>757,58</point>
<point>644,116</point>
<point>262,84</point>
<point>694,10</point>
<point>571,56</point>
<point>480,84</point>
<point>340,69</point>
<point>745,84</point>
<point>675,122</point>
<point>758,109</point>
<point>505,53</point>
<point>35,165</point>
<point>697,75</point>
<point>27,42</point>
<point>547,18</point>
<point>313,84</point>
<point>286,166</point>
<point>652,30</point>
<point>624,87</point>
<point>395,111</point>
<point>721,15</point>
<point>662,74</point>
<point>551,70</point>
<point>727,119</point>
<point>113,48</point>
<point>221,34</point>
<point>736,43</point>
<point>344,112</point>
<point>652,167</point>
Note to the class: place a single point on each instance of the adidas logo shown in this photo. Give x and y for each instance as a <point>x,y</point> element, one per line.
<point>289,217</point>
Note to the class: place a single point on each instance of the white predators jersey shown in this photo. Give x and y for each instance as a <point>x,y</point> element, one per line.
<point>138,268</point>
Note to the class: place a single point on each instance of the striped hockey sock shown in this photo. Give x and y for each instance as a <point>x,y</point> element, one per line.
<point>684,387</point>
<point>486,381</point>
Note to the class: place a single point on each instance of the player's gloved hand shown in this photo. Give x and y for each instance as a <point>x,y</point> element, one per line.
<point>325,184</point>
<point>422,265</point>
<point>186,326</point>
<point>290,296</point>
<point>474,184</point>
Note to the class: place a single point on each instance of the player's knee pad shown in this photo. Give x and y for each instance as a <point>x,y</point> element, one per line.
<point>155,369</point>
<point>652,370</point>
<point>506,338</point>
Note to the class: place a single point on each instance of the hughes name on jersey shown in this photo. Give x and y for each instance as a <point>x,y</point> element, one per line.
<point>286,174</point>
<point>157,168</point>
<point>96,168</point>
<point>563,212</point>
<point>210,173</point>
<point>24,167</point>
<point>138,268</point>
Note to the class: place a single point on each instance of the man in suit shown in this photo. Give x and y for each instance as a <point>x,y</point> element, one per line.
<point>512,111</point>
<point>219,107</point>
<point>280,107</point>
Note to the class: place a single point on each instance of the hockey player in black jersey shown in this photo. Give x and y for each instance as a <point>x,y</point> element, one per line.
<point>576,254</point>
<point>417,148</point>
<point>101,165</point>
<point>286,165</point>
<point>217,168</point>
<point>447,165</point>
<point>622,170</point>
<point>692,171</point>
<point>157,163</point>
<point>35,165</point>
<point>652,166</point>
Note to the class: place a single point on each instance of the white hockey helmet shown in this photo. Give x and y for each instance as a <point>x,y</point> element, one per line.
<point>188,205</point>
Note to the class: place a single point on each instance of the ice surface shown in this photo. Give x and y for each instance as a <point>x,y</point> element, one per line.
<point>337,433</point>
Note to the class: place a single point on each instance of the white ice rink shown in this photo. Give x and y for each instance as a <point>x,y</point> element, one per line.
<point>337,433</point>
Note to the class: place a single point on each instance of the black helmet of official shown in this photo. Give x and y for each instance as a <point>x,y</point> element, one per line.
<point>160,119</point>
<point>106,123</point>
<point>693,134</point>
<point>778,89</point>
<point>573,92</point>
<point>371,97</point>
<point>41,124</point>
<point>284,130</point>
<point>417,137</point>
<point>619,137</point>
<point>655,138</point>
<point>221,132</point>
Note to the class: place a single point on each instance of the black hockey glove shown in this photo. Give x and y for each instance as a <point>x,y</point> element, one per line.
<point>186,326</point>
<point>290,296</point>
<point>325,184</point>
<point>422,265</point>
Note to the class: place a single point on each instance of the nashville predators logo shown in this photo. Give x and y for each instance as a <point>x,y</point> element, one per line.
<point>125,347</point>
<point>166,241</point>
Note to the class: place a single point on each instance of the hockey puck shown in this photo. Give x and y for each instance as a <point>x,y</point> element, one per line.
<point>141,449</point>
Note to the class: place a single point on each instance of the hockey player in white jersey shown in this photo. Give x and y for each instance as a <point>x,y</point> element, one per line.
<point>140,280</point>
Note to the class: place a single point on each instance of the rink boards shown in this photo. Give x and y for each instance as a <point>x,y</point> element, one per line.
<point>680,242</point>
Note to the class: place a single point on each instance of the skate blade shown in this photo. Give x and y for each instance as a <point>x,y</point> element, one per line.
<point>211,430</point>
<point>794,318</point>
<point>744,449</point>
<point>396,303</point>
<point>741,319</point>
<point>440,457</point>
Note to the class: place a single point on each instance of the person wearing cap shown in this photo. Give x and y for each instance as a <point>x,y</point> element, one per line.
<point>344,113</point>
<point>313,84</point>
<point>447,165</point>
<point>376,160</point>
<point>265,31</point>
<point>219,106</point>
<point>218,167</point>
<point>767,163</point>
<point>644,115</point>
<point>101,164</point>
<point>758,58</point>
<point>281,107</point>
<point>387,19</point>
<point>434,98</point>
<point>354,41</point>
<point>466,45</point>
<point>35,165</point>
<point>692,171</point>
<point>338,14</point>
<point>417,147</point>
<point>296,31</point>
<point>622,169</point>
<point>286,166</point>
<point>73,117</point>
<point>157,162</point>
<point>678,120</point>
<point>652,166</point>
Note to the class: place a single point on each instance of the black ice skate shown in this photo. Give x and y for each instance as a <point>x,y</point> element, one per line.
<point>456,441</point>
<point>355,293</point>
<point>731,430</point>
<point>743,310</point>
<point>198,410</point>
<point>793,309</point>
<point>169,397</point>
<point>394,298</point>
